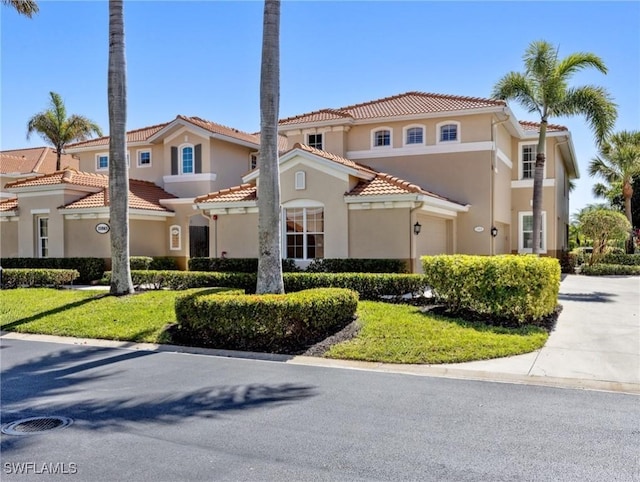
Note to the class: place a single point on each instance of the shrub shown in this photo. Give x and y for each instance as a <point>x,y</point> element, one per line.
<point>235,265</point>
<point>89,269</point>
<point>182,280</point>
<point>30,278</point>
<point>271,323</point>
<point>568,262</point>
<point>602,269</point>
<point>626,259</point>
<point>357,265</point>
<point>140,262</point>
<point>164,263</point>
<point>524,288</point>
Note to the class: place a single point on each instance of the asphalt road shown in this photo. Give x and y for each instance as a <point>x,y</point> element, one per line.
<point>151,416</point>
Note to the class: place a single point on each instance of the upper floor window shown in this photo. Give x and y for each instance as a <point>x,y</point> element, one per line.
<point>382,138</point>
<point>414,135</point>
<point>448,133</point>
<point>253,161</point>
<point>102,161</point>
<point>315,141</point>
<point>186,159</point>
<point>528,166</point>
<point>144,158</point>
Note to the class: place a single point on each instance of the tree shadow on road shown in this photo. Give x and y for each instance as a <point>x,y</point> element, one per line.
<point>594,297</point>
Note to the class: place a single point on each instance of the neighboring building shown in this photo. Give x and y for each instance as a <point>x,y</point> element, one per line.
<point>358,182</point>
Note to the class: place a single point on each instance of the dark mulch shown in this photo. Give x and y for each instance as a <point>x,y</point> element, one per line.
<point>322,346</point>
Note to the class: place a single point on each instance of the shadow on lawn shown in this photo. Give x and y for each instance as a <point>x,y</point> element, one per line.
<point>65,374</point>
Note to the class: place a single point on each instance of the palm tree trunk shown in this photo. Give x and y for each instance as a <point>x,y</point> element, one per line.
<point>121,283</point>
<point>269,246</point>
<point>627,194</point>
<point>537,186</point>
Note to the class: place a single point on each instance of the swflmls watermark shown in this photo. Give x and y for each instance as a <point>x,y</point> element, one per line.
<point>37,468</point>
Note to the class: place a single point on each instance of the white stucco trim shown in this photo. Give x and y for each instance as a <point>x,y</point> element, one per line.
<point>443,148</point>
<point>303,203</point>
<point>413,126</point>
<point>206,176</point>
<point>443,123</point>
<point>504,158</point>
<point>529,183</point>
<point>373,138</point>
<point>41,211</point>
<point>103,213</point>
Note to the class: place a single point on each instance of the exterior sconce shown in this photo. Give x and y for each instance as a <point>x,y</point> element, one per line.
<point>417,228</point>
<point>494,231</point>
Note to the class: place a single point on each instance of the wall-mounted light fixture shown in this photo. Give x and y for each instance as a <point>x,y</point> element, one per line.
<point>494,231</point>
<point>417,228</point>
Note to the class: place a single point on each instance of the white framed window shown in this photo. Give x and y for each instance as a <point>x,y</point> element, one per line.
<point>448,131</point>
<point>186,158</point>
<point>143,157</point>
<point>253,161</point>
<point>413,135</point>
<point>175,238</point>
<point>315,141</point>
<point>304,232</point>
<point>42,232</point>
<point>300,180</point>
<point>381,137</point>
<point>528,153</point>
<point>102,161</point>
<point>525,232</point>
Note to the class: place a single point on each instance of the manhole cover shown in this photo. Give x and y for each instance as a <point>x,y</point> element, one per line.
<point>34,425</point>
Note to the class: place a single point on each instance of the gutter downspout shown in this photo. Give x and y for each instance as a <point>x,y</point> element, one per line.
<point>492,173</point>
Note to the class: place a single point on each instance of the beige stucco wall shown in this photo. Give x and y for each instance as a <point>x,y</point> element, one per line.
<point>521,201</point>
<point>8,239</point>
<point>230,162</point>
<point>82,240</point>
<point>501,192</point>
<point>380,233</point>
<point>237,236</point>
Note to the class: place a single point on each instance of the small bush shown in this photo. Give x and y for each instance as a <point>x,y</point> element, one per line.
<point>521,287</point>
<point>271,323</point>
<point>568,262</point>
<point>140,262</point>
<point>602,269</point>
<point>89,269</point>
<point>621,258</point>
<point>30,278</point>
<point>164,263</point>
<point>356,265</point>
<point>235,265</point>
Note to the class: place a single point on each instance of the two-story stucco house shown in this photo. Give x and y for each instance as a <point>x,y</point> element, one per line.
<point>397,177</point>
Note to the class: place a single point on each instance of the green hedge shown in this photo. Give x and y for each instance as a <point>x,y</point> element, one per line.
<point>370,286</point>
<point>140,262</point>
<point>30,278</point>
<point>625,259</point>
<point>602,269</point>
<point>89,269</point>
<point>235,265</point>
<point>524,288</point>
<point>357,265</point>
<point>164,263</point>
<point>271,323</point>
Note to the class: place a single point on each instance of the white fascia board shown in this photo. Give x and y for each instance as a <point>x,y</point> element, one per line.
<point>431,115</point>
<point>444,204</point>
<point>45,190</point>
<point>225,205</point>
<point>200,131</point>
<point>307,125</point>
<point>529,183</point>
<point>504,158</point>
<point>177,178</point>
<point>176,201</point>
<point>381,198</point>
<point>102,147</point>
<point>104,213</point>
<point>9,216</point>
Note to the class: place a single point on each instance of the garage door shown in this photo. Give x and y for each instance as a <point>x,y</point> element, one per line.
<point>433,237</point>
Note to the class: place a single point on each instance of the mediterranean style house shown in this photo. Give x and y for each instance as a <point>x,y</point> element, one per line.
<point>398,177</point>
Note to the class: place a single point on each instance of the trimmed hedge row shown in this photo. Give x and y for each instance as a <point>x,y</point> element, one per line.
<point>89,269</point>
<point>524,288</point>
<point>235,265</point>
<point>602,269</point>
<point>357,265</point>
<point>30,278</point>
<point>370,286</point>
<point>270,323</point>
<point>621,259</point>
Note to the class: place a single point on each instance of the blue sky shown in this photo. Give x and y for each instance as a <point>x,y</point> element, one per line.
<point>203,58</point>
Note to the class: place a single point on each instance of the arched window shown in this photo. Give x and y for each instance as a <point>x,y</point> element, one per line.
<point>448,131</point>
<point>381,137</point>
<point>186,159</point>
<point>413,135</point>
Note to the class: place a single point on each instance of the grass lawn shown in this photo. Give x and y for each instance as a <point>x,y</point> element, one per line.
<point>390,333</point>
<point>404,334</point>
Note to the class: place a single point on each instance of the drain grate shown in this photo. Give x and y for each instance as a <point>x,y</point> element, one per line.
<point>35,425</point>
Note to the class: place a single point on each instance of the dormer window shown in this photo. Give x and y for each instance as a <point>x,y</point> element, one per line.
<point>315,141</point>
<point>382,138</point>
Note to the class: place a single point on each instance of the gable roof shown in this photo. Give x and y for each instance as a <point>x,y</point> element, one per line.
<point>145,134</point>
<point>409,103</point>
<point>9,205</point>
<point>33,160</point>
<point>535,126</point>
<point>66,176</point>
<point>244,192</point>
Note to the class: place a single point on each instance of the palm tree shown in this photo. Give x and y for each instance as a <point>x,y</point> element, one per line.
<point>618,163</point>
<point>121,283</point>
<point>269,247</point>
<point>23,7</point>
<point>543,89</point>
<point>54,126</point>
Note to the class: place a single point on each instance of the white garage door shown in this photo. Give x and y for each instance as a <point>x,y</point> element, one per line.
<point>433,237</point>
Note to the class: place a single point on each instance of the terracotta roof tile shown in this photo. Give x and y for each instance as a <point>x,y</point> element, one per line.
<point>244,192</point>
<point>283,142</point>
<point>8,205</point>
<point>221,129</point>
<point>535,126</point>
<point>34,159</point>
<point>333,157</point>
<point>409,103</point>
<point>67,176</point>
<point>137,135</point>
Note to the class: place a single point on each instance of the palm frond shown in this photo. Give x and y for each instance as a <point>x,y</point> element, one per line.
<point>23,7</point>
<point>575,62</point>
<point>596,104</point>
<point>515,86</point>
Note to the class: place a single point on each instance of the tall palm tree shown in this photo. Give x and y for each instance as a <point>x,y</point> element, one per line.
<point>269,246</point>
<point>54,127</point>
<point>23,7</point>
<point>618,163</point>
<point>121,283</point>
<point>543,89</point>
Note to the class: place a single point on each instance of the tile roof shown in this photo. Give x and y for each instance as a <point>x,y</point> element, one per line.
<point>332,157</point>
<point>8,205</point>
<point>535,126</point>
<point>409,103</point>
<point>283,142</point>
<point>144,133</point>
<point>66,176</point>
<point>142,195</point>
<point>33,159</point>
<point>386,184</point>
<point>244,192</point>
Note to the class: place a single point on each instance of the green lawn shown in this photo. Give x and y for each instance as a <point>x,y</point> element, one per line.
<point>390,333</point>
